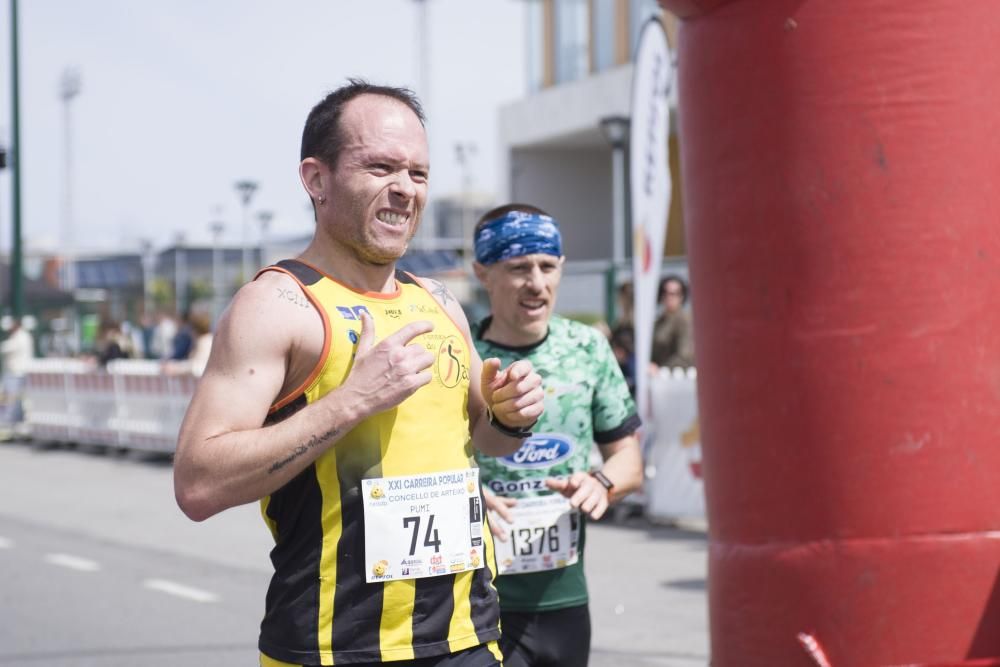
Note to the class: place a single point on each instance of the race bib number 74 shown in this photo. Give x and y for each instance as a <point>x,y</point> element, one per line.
<point>422,525</point>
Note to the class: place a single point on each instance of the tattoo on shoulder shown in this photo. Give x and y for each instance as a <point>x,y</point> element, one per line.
<point>294,297</point>
<point>441,292</point>
<point>312,443</point>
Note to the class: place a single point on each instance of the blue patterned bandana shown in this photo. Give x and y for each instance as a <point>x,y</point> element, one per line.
<point>515,234</point>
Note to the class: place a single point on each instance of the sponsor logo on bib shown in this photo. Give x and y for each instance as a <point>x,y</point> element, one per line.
<point>381,568</point>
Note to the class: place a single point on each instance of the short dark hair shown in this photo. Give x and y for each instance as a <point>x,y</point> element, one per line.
<point>494,213</point>
<point>321,136</point>
<point>673,277</point>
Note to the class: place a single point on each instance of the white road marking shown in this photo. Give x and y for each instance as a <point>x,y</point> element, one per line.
<point>180,590</point>
<point>73,562</point>
<point>5,543</point>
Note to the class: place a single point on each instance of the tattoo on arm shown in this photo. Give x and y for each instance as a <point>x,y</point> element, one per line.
<point>441,292</point>
<point>314,441</point>
<point>293,296</point>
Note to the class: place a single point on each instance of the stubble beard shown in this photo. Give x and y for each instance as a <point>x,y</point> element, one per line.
<point>371,252</point>
<point>363,243</point>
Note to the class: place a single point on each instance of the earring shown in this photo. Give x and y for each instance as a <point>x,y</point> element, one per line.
<point>321,199</point>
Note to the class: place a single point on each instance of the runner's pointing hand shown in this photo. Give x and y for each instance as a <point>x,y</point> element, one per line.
<point>514,394</point>
<point>387,373</point>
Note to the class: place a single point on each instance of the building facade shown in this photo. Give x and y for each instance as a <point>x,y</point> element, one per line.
<point>556,154</point>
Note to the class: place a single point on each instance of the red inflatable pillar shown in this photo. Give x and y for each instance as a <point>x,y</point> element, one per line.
<point>841,169</point>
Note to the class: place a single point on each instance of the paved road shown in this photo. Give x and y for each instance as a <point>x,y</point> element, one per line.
<point>101,568</point>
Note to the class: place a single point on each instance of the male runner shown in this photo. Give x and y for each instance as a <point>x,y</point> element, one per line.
<point>545,490</point>
<point>343,395</point>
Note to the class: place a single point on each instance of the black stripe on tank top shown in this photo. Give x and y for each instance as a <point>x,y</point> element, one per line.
<point>404,277</point>
<point>484,601</point>
<point>295,509</point>
<point>286,411</point>
<point>357,605</point>
<point>433,605</point>
<point>483,597</point>
<point>305,274</point>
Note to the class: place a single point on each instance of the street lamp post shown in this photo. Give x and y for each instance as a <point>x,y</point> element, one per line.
<point>16,250</point>
<point>146,247</point>
<point>423,238</point>
<point>69,88</point>
<point>264,219</point>
<point>616,130</point>
<point>3,165</point>
<point>217,298</point>
<point>246,189</point>
<point>180,276</point>
<point>463,154</point>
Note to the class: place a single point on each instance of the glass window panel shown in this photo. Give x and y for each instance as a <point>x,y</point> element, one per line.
<point>536,43</point>
<point>572,39</point>
<point>603,34</point>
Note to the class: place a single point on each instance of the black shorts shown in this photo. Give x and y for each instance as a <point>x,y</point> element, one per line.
<point>484,655</point>
<point>558,638</point>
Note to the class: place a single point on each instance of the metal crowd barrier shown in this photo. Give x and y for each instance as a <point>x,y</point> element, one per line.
<point>132,404</point>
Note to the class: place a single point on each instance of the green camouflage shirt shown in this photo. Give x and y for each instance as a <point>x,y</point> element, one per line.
<point>586,401</point>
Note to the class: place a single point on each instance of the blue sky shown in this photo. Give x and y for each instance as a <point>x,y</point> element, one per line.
<point>180,99</point>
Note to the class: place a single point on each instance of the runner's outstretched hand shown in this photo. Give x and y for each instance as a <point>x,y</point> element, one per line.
<point>584,492</point>
<point>499,506</point>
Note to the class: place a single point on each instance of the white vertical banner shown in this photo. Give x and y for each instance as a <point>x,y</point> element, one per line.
<point>650,188</point>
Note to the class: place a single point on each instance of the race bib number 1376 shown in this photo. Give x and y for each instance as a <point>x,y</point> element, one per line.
<point>543,536</point>
<point>422,525</point>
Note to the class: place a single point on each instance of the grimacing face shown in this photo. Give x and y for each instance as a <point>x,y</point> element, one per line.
<point>378,187</point>
<point>522,293</point>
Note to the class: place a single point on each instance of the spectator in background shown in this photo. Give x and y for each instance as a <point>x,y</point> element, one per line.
<point>147,325</point>
<point>111,343</point>
<point>132,340</point>
<point>673,339</point>
<point>184,340</point>
<point>201,326</point>
<point>623,345</point>
<point>162,340</point>
<point>16,351</point>
<point>201,330</point>
<point>622,336</point>
<point>626,306</point>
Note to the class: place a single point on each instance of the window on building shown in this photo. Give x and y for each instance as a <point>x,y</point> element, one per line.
<point>536,45</point>
<point>572,37</point>
<point>603,27</point>
<point>639,11</point>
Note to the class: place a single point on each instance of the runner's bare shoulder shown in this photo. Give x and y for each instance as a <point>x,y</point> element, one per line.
<point>448,301</point>
<point>270,324</point>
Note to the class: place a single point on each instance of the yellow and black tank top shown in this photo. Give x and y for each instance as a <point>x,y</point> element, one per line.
<point>319,609</point>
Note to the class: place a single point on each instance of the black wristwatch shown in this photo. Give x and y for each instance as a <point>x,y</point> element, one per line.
<point>524,432</point>
<point>603,479</point>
